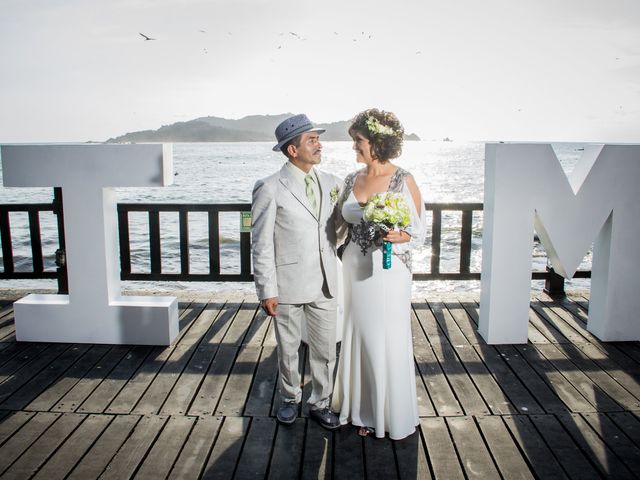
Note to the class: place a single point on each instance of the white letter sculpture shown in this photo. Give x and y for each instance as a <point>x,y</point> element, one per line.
<point>525,185</point>
<point>94,311</point>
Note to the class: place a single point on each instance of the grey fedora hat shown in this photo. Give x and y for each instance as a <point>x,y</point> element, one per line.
<point>292,127</point>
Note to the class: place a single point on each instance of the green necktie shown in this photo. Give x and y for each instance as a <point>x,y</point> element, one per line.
<point>308,181</point>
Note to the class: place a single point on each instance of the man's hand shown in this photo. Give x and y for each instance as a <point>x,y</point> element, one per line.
<point>270,305</point>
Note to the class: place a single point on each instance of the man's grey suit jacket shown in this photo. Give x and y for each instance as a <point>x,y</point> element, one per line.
<point>294,251</point>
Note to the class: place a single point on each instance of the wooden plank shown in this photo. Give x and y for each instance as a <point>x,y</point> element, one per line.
<point>318,448</point>
<point>587,388</point>
<point>224,455</point>
<point>474,455</point>
<point>264,384</point>
<point>491,391</point>
<point>187,385</point>
<point>37,365</point>
<point>627,375</point>
<point>550,317</point>
<point>286,460</point>
<point>158,390</point>
<point>528,376</point>
<point>239,326</point>
<point>628,423</point>
<point>105,448</point>
<point>583,435</point>
<point>616,440</point>
<point>206,315</point>
<point>54,393</point>
<point>34,456</point>
<point>539,457</point>
<point>9,350</point>
<point>563,447</point>
<point>257,331</point>
<point>256,452</point>
<point>19,369</point>
<point>191,462</point>
<point>608,382</point>
<point>555,380</point>
<point>222,323</point>
<point>115,381</point>
<point>442,454</point>
<point>465,323</point>
<point>189,319</point>
<point>616,351</point>
<point>7,327</point>
<point>439,390</point>
<point>68,455</point>
<point>166,448</point>
<point>505,452</point>
<point>379,459</point>
<point>208,395</point>
<point>555,307</point>
<point>462,384</point>
<point>39,382</point>
<point>545,327</point>
<point>127,398</point>
<point>86,385</point>
<point>348,453</point>
<point>447,326</point>
<point>411,458</point>
<point>631,349</point>
<point>234,395</point>
<point>15,446</point>
<point>518,394</point>
<point>11,422</point>
<point>133,451</point>
<point>425,407</point>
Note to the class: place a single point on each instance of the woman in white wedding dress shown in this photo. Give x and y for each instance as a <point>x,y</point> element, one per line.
<point>375,386</point>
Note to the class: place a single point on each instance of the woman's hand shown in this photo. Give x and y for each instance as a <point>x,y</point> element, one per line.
<point>397,236</point>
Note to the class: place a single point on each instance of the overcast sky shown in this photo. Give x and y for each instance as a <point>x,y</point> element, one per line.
<point>542,70</point>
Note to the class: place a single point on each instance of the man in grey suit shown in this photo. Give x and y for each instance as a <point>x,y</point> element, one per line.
<point>294,233</point>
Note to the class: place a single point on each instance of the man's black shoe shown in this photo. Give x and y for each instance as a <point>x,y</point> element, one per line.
<point>287,413</point>
<point>325,417</point>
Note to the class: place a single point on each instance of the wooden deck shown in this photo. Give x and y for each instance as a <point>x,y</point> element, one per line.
<point>563,406</point>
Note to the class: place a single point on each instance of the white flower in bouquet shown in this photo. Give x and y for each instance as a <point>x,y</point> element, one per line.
<point>388,209</point>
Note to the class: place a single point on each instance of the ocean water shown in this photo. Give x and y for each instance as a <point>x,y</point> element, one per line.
<point>226,172</point>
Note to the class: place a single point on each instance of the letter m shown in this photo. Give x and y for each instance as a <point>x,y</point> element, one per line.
<point>525,186</point>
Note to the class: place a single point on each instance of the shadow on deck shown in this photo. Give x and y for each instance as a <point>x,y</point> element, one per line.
<point>564,405</point>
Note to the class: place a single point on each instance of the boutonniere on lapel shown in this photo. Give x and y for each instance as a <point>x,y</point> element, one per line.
<point>333,195</point>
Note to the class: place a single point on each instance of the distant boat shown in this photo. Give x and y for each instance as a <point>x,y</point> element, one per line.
<point>447,139</point>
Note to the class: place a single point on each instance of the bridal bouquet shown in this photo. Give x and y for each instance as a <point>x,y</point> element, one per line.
<point>387,211</point>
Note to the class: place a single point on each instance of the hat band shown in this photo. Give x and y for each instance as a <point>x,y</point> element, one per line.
<point>297,131</point>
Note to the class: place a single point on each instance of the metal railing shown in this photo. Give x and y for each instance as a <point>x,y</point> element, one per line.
<point>183,210</point>
<point>33,211</point>
<point>554,282</point>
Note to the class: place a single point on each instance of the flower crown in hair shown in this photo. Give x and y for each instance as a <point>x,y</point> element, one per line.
<point>376,128</point>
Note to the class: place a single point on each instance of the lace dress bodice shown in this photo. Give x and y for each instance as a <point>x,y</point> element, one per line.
<point>365,234</point>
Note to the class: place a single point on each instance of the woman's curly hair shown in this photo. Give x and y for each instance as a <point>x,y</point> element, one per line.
<point>383,130</point>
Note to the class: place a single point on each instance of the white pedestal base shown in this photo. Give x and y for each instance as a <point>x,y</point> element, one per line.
<point>126,320</point>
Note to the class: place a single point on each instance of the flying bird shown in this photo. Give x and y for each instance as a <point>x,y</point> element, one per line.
<point>146,37</point>
<point>294,34</point>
